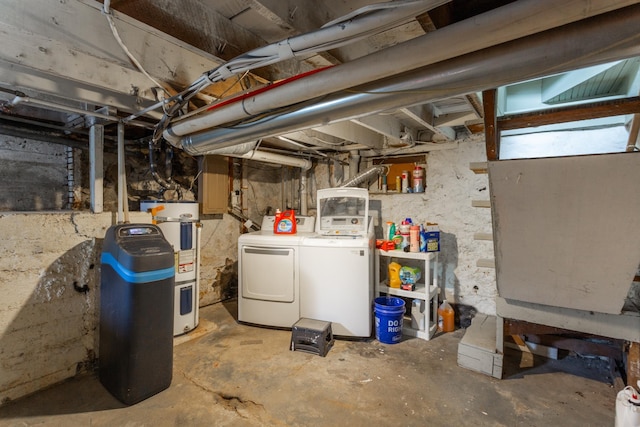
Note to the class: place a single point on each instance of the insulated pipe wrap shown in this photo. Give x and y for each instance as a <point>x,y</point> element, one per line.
<point>611,36</point>
<point>497,26</point>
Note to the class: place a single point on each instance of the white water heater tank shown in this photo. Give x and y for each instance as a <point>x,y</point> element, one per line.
<point>179,224</point>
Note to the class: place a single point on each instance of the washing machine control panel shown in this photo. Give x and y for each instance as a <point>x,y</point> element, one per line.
<point>342,225</point>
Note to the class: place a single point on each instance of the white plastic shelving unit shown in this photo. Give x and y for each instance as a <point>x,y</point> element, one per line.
<point>426,289</point>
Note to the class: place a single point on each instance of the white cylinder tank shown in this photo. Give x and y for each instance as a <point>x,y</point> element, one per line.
<point>179,224</point>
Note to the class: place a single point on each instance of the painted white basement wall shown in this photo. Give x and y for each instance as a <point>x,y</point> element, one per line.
<point>447,201</point>
<point>48,325</point>
<point>49,330</point>
<point>451,188</point>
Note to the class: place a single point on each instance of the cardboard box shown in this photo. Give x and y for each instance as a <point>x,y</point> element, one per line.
<point>433,237</point>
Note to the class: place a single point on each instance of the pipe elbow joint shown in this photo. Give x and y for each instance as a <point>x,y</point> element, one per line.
<point>173,139</point>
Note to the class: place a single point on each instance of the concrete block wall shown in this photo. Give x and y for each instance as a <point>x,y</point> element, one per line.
<point>25,164</point>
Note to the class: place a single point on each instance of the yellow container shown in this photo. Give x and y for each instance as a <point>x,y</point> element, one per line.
<point>394,275</point>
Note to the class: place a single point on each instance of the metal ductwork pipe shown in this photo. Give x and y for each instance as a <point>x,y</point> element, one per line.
<point>592,41</point>
<point>279,159</point>
<point>497,26</point>
<point>248,151</point>
<point>364,176</point>
<point>354,163</point>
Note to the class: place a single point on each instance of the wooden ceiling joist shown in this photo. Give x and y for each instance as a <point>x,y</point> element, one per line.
<point>616,107</point>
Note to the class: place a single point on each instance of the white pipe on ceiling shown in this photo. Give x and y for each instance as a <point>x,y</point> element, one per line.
<point>279,159</point>
<point>361,23</point>
<point>59,107</point>
<point>304,204</point>
<point>599,39</point>
<point>497,26</point>
<point>122,194</point>
<point>249,151</point>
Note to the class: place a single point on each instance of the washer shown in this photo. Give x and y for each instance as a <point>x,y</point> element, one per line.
<point>336,265</point>
<point>269,277</point>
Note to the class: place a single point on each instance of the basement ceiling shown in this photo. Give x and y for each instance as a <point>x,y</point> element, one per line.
<point>61,68</point>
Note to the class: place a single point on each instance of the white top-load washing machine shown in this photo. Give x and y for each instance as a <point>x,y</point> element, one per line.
<point>336,265</point>
<point>268,274</point>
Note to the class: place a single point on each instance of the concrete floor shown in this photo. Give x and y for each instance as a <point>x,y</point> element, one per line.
<point>229,374</point>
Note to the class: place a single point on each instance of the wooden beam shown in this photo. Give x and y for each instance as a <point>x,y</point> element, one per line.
<point>423,115</point>
<point>486,263</point>
<point>474,102</point>
<point>521,327</point>
<point>475,126</point>
<point>632,142</point>
<point>47,51</point>
<point>482,236</point>
<point>551,116</point>
<point>354,133</point>
<point>609,348</point>
<point>481,203</point>
<point>532,348</point>
<point>478,167</point>
<point>388,126</point>
<point>492,137</point>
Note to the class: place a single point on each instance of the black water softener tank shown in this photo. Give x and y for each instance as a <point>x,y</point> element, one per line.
<point>136,312</point>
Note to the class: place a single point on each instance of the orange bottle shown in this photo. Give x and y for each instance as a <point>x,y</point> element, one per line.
<point>446,321</point>
<point>285,222</point>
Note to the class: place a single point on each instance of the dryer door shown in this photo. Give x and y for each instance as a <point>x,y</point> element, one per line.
<point>268,273</point>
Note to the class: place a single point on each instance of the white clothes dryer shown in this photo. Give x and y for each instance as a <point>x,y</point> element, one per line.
<point>268,274</point>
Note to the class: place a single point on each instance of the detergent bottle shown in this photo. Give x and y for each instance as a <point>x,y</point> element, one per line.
<point>285,222</point>
<point>394,275</point>
<point>446,321</point>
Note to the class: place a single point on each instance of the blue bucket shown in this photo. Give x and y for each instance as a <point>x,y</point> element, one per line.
<point>389,312</point>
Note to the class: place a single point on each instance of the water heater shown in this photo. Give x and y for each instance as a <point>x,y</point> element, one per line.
<point>179,224</point>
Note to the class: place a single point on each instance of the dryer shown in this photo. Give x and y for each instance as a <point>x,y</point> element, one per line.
<point>268,274</point>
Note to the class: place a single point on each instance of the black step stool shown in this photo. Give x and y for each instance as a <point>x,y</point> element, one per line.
<point>312,336</point>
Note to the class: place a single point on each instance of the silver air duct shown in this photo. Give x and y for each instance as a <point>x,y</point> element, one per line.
<point>497,26</point>
<point>364,176</point>
<point>596,40</point>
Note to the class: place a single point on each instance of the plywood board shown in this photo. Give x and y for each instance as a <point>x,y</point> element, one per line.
<point>567,229</point>
<point>213,185</point>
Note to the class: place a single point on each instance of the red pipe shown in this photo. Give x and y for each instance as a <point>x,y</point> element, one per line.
<point>266,88</point>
